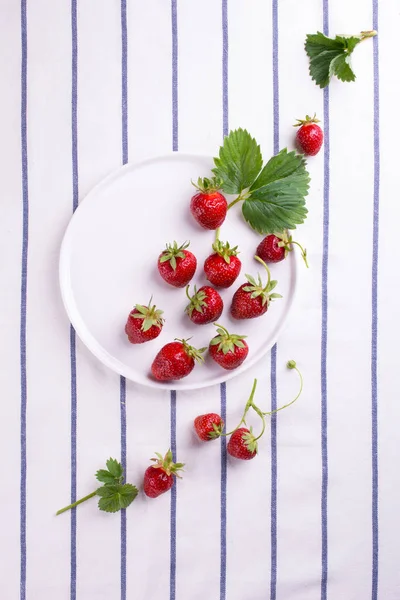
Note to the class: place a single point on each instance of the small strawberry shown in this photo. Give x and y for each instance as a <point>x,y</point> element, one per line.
<point>176,360</point>
<point>242,444</point>
<point>177,265</point>
<point>274,248</point>
<point>208,427</point>
<point>223,267</point>
<point>144,324</point>
<point>310,135</point>
<point>159,478</point>
<point>208,206</point>
<point>228,350</point>
<point>205,305</point>
<point>252,299</point>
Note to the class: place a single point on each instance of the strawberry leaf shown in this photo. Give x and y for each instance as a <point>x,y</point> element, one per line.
<point>239,161</point>
<point>276,201</point>
<point>115,497</point>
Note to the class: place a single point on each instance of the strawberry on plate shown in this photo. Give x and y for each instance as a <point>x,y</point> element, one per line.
<point>223,267</point>
<point>252,298</point>
<point>205,305</point>
<point>208,427</point>
<point>177,265</point>
<point>309,136</point>
<point>275,247</point>
<point>176,360</point>
<point>229,350</point>
<point>159,478</point>
<point>144,323</point>
<point>209,206</point>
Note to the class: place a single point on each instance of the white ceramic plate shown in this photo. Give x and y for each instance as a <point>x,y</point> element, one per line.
<point>108,264</point>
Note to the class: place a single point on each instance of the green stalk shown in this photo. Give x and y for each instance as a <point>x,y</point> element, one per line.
<point>290,365</point>
<point>62,510</point>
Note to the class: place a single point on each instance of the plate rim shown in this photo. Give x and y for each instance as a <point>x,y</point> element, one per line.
<point>85,336</point>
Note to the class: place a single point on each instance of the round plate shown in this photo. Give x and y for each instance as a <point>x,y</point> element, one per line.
<point>108,264</point>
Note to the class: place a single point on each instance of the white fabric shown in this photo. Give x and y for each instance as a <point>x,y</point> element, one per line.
<point>44,572</point>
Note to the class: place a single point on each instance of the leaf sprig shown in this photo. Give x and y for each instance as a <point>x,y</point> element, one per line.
<point>273,194</point>
<point>114,494</point>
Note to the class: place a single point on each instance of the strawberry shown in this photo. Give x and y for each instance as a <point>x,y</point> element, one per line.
<point>310,136</point>
<point>205,305</point>
<point>208,427</point>
<point>229,350</point>
<point>208,206</point>
<point>177,265</point>
<point>175,360</point>
<point>223,267</point>
<point>159,478</point>
<point>252,299</point>
<point>242,444</point>
<point>144,324</point>
<point>274,248</point>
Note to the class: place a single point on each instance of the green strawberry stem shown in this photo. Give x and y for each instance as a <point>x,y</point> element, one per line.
<point>266,288</point>
<point>217,233</point>
<point>368,34</point>
<point>62,510</point>
<point>242,196</point>
<point>303,252</point>
<point>249,404</point>
<point>291,364</point>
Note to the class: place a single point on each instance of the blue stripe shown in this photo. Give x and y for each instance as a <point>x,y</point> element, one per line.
<point>222,593</point>
<point>225,91</point>
<point>75,199</point>
<point>172,576</point>
<point>374,340</point>
<point>274,451</point>
<point>174,23</point>
<point>122,385</point>
<point>324,337</point>
<point>24,282</point>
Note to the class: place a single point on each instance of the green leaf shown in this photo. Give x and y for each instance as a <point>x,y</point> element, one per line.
<point>115,497</point>
<point>239,161</point>
<point>105,477</point>
<point>276,200</point>
<point>331,56</point>
<point>115,468</point>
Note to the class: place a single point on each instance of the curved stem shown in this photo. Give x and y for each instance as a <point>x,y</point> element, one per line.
<point>238,199</point>
<point>260,414</point>
<point>249,403</point>
<point>187,293</point>
<point>267,269</point>
<point>222,327</point>
<point>303,252</point>
<point>62,510</point>
<point>293,401</point>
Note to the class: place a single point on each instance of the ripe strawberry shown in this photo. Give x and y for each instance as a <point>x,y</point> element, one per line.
<point>228,350</point>
<point>251,301</point>
<point>144,324</point>
<point>159,478</point>
<point>309,136</point>
<point>223,267</point>
<point>205,305</point>
<point>177,265</point>
<point>209,206</point>
<point>242,444</point>
<point>176,360</point>
<point>208,427</point>
<point>274,248</point>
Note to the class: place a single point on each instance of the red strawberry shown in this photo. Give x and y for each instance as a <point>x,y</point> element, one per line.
<point>252,299</point>
<point>144,324</point>
<point>242,444</point>
<point>205,306</point>
<point>228,350</point>
<point>175,360</point>
<point>309,136</point>
<point>209,206</point>
<point>159,478</point>
<point>208,427</point>
<point>177,265</point>
<point>274,248</point>
<point>223,267</point>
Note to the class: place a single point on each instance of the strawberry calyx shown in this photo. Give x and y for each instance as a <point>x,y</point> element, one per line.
<point>166,463</point>
<point>256,288</point>
<point>250,441</point>
<point>172,252</point>
<point>307,121</point>
<point>197,301</point>
<point>151,315</point>
<point>287,243</point>
<point>217,431</point>
<point>224,250</point>
<point>195,353</point>
<point>227,341</point>
<point>208,185</point>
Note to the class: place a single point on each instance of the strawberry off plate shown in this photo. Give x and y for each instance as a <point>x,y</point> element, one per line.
<point>108,264</point>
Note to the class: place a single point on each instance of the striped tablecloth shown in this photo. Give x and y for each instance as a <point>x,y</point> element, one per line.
<point>88,85</point>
